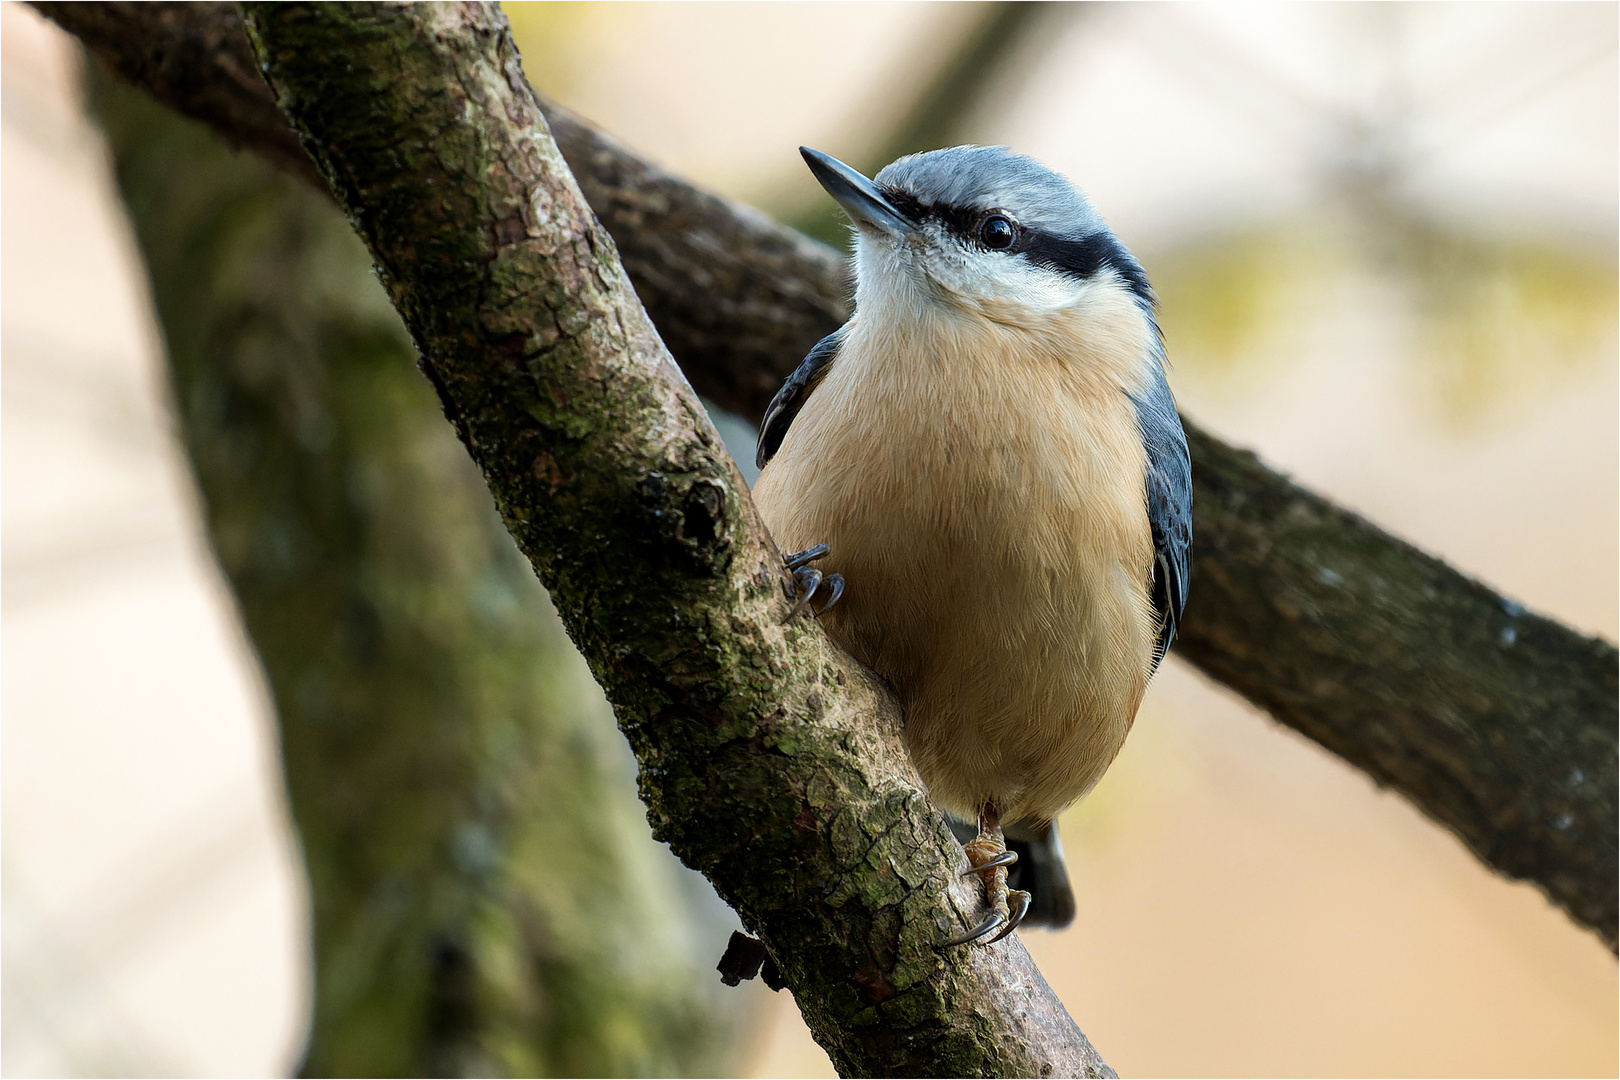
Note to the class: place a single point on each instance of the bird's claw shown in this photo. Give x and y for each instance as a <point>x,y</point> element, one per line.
<point>1006,858</point>
<point>835,582</point>
<point>991,924</point>
<point>808,580</point>
<point>1018,905</point>
<point>996,925</point>
<point>808,555</point>
<point>989,855</point>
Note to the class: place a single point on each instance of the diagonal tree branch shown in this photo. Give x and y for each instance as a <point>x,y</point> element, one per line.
<point>1496,722</point>
<point>769,760</point>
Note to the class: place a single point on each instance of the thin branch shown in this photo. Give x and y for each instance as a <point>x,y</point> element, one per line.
<point>769,760</point>
<point>1495,722</point>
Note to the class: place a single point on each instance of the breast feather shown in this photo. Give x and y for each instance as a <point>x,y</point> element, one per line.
<point>982,494</point>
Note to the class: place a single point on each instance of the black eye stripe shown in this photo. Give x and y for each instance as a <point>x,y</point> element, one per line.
<point>908,204</point>
<point>1080,257</point>
<point>1084,256</point>
<point>960,220</point>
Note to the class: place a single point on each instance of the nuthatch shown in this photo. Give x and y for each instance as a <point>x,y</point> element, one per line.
<point>987,462</point>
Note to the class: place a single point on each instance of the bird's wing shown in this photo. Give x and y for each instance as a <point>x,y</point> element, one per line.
<point>794,393</point>
<point>1169,503</point>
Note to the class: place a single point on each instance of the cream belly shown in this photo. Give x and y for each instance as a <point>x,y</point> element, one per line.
<point>987,513</point>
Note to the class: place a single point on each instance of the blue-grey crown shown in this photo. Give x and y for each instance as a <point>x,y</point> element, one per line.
<point>1061,229</point>
<point>994,178</point>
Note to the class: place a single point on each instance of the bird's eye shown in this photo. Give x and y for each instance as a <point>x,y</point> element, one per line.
<point>997,232</point>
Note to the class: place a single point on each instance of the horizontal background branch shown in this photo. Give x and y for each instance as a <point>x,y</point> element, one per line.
<point>1496,722</point>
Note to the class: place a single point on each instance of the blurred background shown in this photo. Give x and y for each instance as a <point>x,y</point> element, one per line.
<point>1384,237</point>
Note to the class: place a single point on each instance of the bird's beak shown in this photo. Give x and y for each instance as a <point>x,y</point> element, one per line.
<point>862,200</point>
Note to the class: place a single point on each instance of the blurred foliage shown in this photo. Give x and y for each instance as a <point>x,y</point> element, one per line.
<point>1505,322</point>
<point>487,898</point>
<point>1488,324</point>
<point>1219,298</point>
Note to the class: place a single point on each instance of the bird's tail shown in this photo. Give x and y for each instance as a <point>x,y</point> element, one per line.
<point>1040,870</point>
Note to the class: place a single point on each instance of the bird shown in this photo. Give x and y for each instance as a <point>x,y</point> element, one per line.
<point>983,475</point>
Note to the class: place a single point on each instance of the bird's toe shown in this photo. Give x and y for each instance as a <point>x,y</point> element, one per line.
<point>1005,858</point>
<point>1018,907</point>
<point>808,555</point>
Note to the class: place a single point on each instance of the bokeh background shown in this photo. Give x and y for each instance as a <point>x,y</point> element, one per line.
<point>1385,242</point>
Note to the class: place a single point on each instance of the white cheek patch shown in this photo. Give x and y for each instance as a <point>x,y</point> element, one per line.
<point>1001,281</point>
<point>902,282</point>
<point>1013,291</point>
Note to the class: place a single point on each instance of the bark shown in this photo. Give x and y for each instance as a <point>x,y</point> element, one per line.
<point>194,58</point>
<point>485,897</point>
<point>1516,756</point>
<point>769,760</point>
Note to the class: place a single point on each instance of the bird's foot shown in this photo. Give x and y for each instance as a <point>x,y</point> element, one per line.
<point>809,581</point>
<point>990,858</point>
